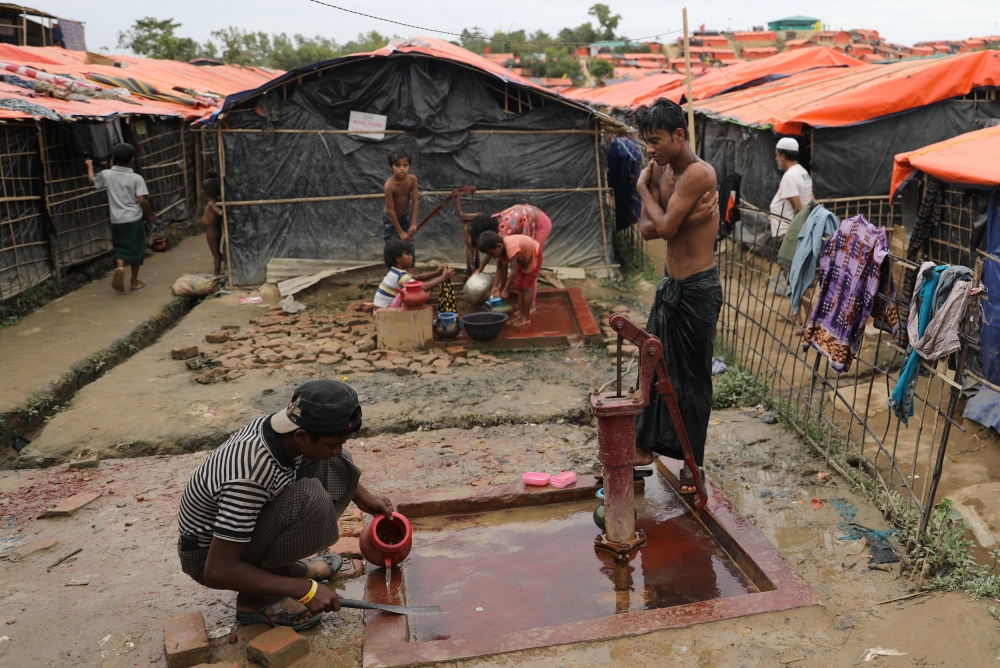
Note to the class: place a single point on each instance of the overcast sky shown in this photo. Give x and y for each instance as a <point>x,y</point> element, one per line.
<point>896,20</point>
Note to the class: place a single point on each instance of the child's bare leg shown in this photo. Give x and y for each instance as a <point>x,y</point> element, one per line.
<point>136,283</point>
<point>524,304</point>
<point>212,236</point>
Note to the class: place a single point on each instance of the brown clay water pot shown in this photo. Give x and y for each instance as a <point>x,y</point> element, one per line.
<point>158,245</point>
<point>413,294</point>
<point>386,541</point>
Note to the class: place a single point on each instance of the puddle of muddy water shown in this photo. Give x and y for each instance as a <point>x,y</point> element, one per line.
<point>518,569</point>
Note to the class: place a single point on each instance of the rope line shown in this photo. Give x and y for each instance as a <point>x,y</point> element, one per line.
<point>455,34</point>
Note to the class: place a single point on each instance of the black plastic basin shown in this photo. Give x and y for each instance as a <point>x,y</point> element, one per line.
<point>484,326</point>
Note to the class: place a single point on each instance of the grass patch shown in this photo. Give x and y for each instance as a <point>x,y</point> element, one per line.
<point>939,557</point>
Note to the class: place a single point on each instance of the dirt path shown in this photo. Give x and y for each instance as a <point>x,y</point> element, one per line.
<point>128,537</point>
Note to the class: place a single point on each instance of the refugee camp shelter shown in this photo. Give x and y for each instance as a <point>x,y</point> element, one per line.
<point>849,121</point>
<point>300,182</point>
<point>51,218</point>
<point>968,229</point>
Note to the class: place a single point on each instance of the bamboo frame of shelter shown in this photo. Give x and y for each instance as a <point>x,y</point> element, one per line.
<point>844,416</point>
<point>52,219</point>
<point>603,191</point>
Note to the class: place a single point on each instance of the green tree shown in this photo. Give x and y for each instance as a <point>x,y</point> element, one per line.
<point>242,47</point>
<point>601,69</point>
<point>155,38</point>
<point>607,21</point>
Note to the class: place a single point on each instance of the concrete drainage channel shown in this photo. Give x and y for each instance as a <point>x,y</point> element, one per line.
<point>47,401</point>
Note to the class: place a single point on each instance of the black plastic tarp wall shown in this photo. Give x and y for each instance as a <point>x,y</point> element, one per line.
<point>24,241</point>
<point>455,126</point>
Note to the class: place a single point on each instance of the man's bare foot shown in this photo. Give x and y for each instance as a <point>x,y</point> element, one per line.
<point>118,280</point>
<point>284,611</point>
<point>643,456</point>
<point>522,322</point>
<point>322,567</point>
<point>138,285</point>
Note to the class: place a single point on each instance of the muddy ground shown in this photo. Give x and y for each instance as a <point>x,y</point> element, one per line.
<point>452,431</point>
<point>128,537</point>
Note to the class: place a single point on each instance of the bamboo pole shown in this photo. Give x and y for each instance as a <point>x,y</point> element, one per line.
<point>21,198</point>
<point>184,167</point>
<point>600,183</point>
<point>225,216</point>
<point>293,131</point>
<point>687,76</point>
<point>431,193</point>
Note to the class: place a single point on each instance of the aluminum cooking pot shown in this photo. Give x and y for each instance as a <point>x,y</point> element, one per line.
<point>478,287</point>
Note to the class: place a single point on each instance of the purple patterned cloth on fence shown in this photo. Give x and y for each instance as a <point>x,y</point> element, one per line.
<point>852,269</point>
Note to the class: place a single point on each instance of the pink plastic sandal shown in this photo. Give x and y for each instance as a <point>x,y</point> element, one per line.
<point>564,479</point>
<point>538,479</point>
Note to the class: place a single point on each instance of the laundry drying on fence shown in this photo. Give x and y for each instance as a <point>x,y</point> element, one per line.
<point>809,243</point>
<point>852,270</point>
<point>939,300</point>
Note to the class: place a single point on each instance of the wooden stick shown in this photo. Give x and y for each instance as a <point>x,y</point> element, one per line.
<point>62,559</point>
<point>600,199</point>
<point>903,598</point>
<point>222,197</point>
<point>293,131</point>
<point>338,198</point>
<point>23,198</point>
<point>687,74</point>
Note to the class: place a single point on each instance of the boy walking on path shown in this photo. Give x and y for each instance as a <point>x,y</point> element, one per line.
<point>127,199</point>
<point>398,220</point>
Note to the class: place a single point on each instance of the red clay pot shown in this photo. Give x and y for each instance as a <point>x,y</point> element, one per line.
<point>158,245</point>
<point>386,541</point>
<point>413,294</point>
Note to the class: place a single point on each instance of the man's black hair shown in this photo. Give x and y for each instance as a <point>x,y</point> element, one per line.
<point>212,188</point>
<point>314,436</point>
<point>662,116</point>
<point>482,223</point>
<point>489,240</point>
<point>397,154</point>
<point>394,248</point>
<point>123,154</point>
<point>789,155</point>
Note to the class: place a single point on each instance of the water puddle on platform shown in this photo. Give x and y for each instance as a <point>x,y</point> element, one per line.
<point>524,568</point>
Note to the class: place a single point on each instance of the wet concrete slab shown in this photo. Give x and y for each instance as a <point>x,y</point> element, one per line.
<point>562,317</point>
<point>525,575</point>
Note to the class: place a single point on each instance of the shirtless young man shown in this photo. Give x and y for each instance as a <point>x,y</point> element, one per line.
<point>399,221</point>
<point>675,188</point>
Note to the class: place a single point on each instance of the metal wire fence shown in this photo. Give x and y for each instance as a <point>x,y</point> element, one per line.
<point>844,416</point>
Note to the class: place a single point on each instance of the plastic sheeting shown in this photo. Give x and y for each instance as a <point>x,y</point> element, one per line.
<point>984,408</point>
<point>969,159</point>
<point>990,337</point>
<point>857,161</point>
<point>731,148</point>
<point>439,103</point>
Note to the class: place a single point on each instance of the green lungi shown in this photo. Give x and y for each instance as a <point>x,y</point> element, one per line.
<point>129,240</point>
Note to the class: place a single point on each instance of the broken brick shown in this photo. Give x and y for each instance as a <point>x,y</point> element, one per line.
<point>384,365</point>
<point>210,376</point>
<point>344,369</point>
<point>329,360</point>
<point>72,504</point>
<point>89,463</point>
<point>442,364</point>
<point>185,641</point>
<point>217,337</point>
<point>277,648</point>
<point>19,553</point>
<point>184,353</point>
<point>457,351</point>
<point>347,547</point>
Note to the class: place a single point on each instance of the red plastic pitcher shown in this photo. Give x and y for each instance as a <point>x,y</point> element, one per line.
<point>386,541</point>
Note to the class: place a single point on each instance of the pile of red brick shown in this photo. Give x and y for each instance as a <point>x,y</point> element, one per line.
<point>306,342</point>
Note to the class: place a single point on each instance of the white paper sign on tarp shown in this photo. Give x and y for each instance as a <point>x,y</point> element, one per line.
<point>371,126</point>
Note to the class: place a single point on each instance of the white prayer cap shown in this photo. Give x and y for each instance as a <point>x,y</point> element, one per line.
<point>788,144</point>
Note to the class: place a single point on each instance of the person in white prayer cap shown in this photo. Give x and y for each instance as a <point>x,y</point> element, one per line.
<point>795,190</point>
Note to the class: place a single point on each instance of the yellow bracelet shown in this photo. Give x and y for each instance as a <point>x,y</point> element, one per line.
<point>312,592</point>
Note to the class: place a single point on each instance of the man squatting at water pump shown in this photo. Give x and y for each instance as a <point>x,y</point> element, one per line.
<point>679,205</point>
<point>269,497</point>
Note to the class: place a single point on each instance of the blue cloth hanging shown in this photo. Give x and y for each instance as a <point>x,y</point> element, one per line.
<point>901,401</point>
<point>624,167</point>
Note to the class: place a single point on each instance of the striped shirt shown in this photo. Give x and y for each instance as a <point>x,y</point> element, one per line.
<point>225,494</point>
<point>390,286</point>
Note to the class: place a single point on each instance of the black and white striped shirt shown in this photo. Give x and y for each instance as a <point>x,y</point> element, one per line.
<point>225,494</point>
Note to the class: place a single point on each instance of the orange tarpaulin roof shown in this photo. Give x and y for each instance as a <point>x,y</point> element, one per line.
<point>623,95</point>
<point>848,96</point>
<point>164,75</point>
<point>783,64</point>
<point>969,159</point>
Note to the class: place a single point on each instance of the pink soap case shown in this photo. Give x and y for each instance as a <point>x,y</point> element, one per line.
<point>533,478</point>
<point>564,479</point>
